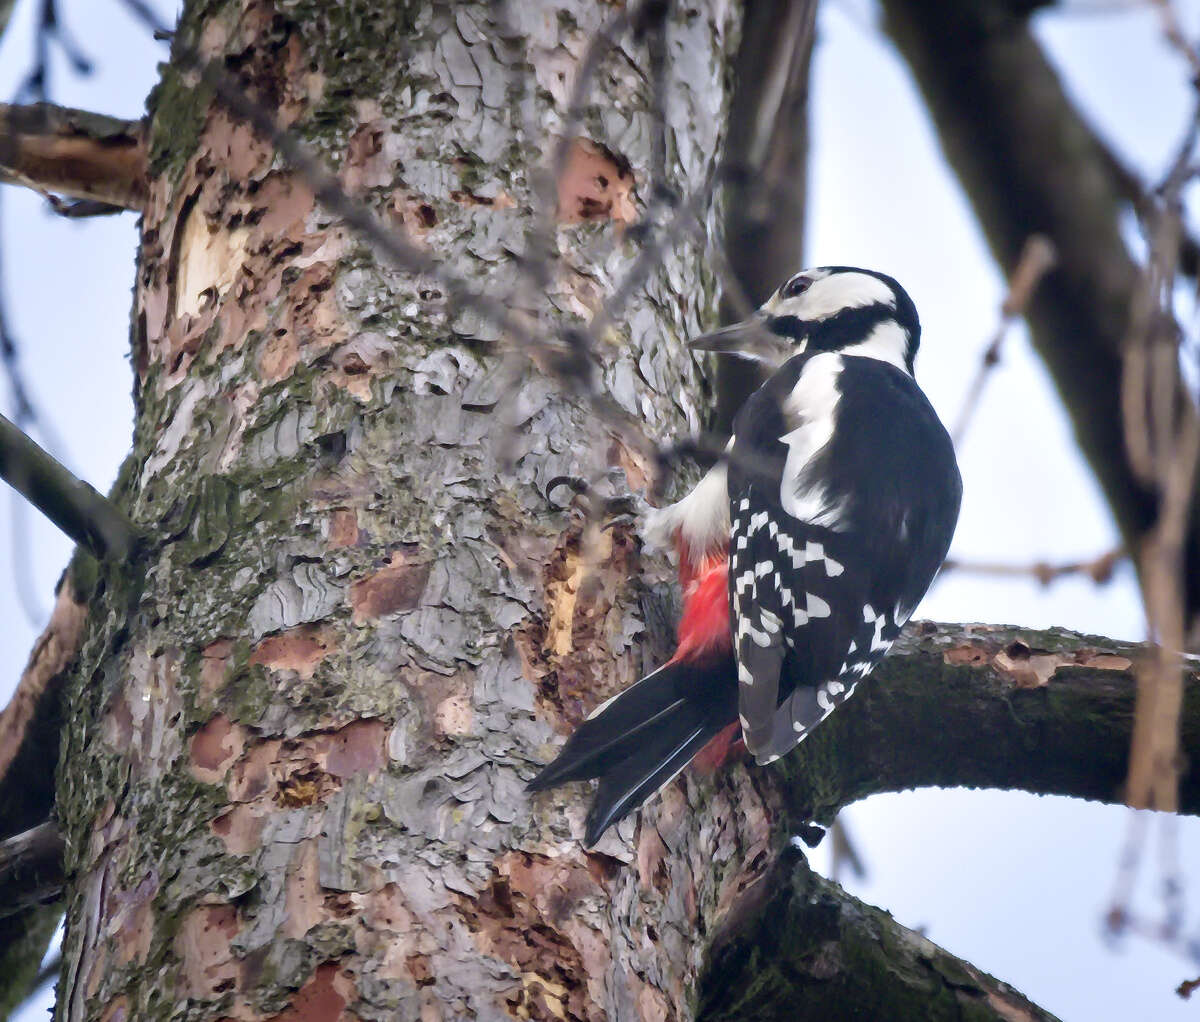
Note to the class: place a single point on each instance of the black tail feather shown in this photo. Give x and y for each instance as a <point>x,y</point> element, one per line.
<point>639,740</point>
<point>625,788</point>
<point>607,736</point>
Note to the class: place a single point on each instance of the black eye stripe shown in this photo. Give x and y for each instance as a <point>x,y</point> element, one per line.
<point>787,326</point>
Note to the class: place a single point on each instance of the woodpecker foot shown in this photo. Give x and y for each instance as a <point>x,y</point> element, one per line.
<point>620,509</point>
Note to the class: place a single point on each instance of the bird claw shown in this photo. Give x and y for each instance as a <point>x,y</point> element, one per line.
<point>575,484</point>
<point>620,509</point>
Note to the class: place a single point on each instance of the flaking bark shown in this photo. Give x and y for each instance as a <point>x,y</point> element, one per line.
<point>292,778</point>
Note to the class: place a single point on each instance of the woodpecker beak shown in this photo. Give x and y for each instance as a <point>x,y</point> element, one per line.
<point>749,339</point>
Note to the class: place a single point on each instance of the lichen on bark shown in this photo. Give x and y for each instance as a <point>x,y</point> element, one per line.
<point>293,777</point>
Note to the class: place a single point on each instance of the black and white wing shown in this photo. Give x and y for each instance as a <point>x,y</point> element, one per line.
<point>843,494</point>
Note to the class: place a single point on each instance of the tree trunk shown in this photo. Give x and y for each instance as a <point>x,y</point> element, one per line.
<point>292,780</point>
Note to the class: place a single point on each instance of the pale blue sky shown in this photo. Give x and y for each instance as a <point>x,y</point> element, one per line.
<point>1014,883</point>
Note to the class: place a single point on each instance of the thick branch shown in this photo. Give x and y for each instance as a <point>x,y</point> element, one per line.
<point>1048,712</point>
<point>31,881</point>
<point>766,156</point>
<point>72,152</point>
<point>30,869</point>
<point>91,520</point>
<point>1030,164</point>
<point>31,722</point>
<point>798,947</point>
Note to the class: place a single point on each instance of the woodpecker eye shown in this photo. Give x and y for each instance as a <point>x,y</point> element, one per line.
<point>795,287</point>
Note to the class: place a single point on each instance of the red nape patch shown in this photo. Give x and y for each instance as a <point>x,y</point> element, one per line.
<point>704,625</point>
<point>726,745</point>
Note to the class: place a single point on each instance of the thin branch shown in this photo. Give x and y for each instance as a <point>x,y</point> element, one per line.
<point>1099,569</point>
<point>1020,148</point>
<point>1162,432</point>
<point>54,149</point>
<point>49,972</point>
<point>90,519</point>
<point>844,852</point>
<point>1175,36</point>
<point>50,30</point>
<point>685,217</point>
<point>568,357</point>
<point>546,181</point>
<point>651,27</point>
<point>1120,920</point>
<point>1036,260</point>
<point>30,868</point>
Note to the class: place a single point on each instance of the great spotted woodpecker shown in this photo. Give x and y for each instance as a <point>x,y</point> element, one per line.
<point>801,554</point>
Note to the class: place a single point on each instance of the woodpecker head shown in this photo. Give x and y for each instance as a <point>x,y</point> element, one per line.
<point>831,308</point>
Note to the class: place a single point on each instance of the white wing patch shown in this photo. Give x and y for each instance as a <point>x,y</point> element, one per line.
<point>812,405</point>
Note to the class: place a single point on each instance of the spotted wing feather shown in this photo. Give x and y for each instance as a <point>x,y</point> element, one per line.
<point>792,617</point>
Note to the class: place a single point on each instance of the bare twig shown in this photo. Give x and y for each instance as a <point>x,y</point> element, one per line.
<point>27,589</point>
<point>1162,433</point>
<point>685,217</point>
<point>567,357</point>
<point>75,507</point>
<point>651,27</point>
<point>50,30</point>
<point>844,852</point>
<point>48,972</point>
<point>1120,920</point>
<point>1098,569</point>
<point>1037,259</point>
<point>1176,38</point>
<point>597,49</point>
<point>1162,437</point>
